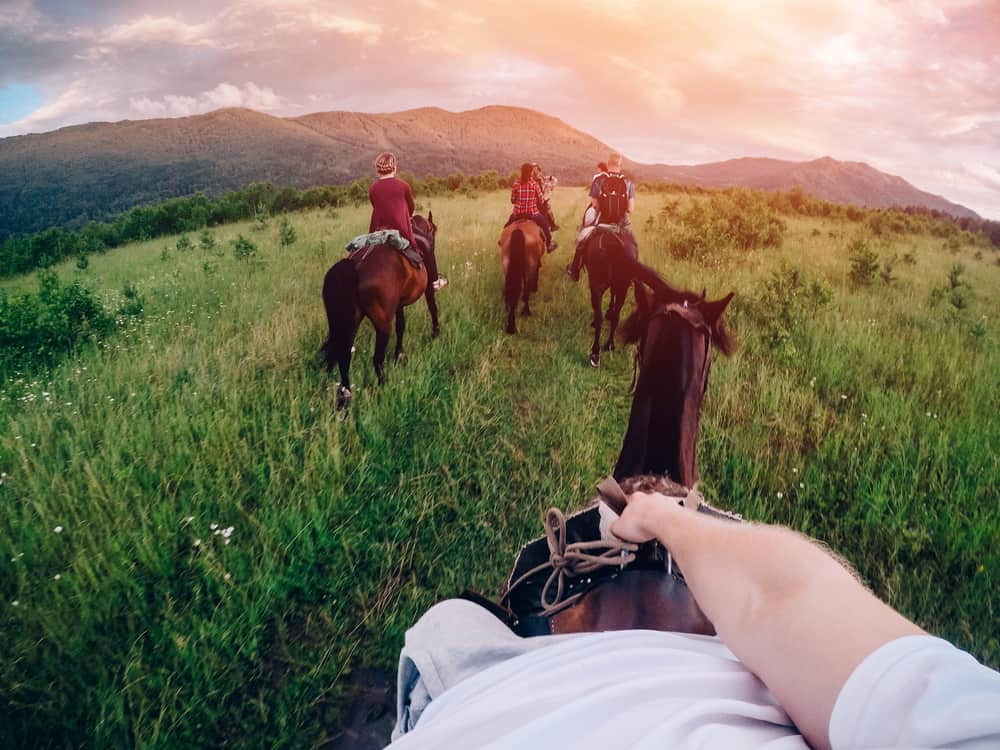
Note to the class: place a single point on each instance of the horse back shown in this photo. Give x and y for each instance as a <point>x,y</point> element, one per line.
<point>388,277</point>
<point>635,600</point>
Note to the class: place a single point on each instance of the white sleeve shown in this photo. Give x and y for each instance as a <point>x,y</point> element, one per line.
<point>918,692</point>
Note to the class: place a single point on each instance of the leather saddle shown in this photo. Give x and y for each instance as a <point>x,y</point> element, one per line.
<point>580,578</point>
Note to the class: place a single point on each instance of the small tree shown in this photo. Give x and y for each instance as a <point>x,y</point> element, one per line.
<point>864,262</point>
<point>82,262</point>
<point>206,241</point>
<point>183,243</point>
<point>244,249</point>
<point>286,232</point>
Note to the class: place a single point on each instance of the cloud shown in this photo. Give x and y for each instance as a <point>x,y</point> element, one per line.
<point>250,96</point>
<point>162,29</point>
<point>54,113</point>
<point>909,85</point>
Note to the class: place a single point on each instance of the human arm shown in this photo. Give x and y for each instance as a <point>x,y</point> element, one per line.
<point>790,611</point>
<point>411,206</point>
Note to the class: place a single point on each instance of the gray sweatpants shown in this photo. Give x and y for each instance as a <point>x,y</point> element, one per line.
<point>454,640</point>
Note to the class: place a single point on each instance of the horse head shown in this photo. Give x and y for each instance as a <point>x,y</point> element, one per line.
<point>425,229</point>
<point>676,331</point>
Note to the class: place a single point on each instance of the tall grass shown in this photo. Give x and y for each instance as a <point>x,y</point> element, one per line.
<point>229,548</point>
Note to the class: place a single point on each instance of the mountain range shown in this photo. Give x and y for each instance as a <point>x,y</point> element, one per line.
<point>95,171</point>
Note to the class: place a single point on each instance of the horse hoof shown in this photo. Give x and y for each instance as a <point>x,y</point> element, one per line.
<point>343,398</point>
<point>511,330</point>
<point>400,356</point>
<point>435,332</point>
<point>526,312</point>
<point>595,360</point>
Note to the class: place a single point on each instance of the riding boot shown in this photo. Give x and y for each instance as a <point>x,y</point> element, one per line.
<point>573,269</point>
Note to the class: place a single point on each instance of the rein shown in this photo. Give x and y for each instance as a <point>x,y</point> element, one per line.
<point>577,559</point>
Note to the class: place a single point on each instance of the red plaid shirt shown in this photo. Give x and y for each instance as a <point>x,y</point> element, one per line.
<point>526,196</point>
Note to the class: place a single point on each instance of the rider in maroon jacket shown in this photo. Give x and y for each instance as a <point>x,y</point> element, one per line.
<point>392,200</point>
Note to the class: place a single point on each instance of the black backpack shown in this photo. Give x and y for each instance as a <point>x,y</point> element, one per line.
<point>613,200</point>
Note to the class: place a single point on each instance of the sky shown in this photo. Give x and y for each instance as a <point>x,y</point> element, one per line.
<point>910,86</point>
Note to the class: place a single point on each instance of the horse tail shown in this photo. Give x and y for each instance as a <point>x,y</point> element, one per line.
<point>340,298</point>
<point>517,266</point>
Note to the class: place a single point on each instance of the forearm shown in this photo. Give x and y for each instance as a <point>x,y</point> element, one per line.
<point>789,611</point>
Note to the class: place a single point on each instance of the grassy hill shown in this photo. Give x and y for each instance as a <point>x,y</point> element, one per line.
<point>130,614</point>
<point>96,171</point>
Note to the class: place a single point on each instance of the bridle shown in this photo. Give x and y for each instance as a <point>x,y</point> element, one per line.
<point>692,317</point>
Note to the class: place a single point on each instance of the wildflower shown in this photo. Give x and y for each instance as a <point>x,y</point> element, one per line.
<point>227,576</point>
<point>781,495</point>
<point>58,529</point>
<point>189,519</point>
<point>228,532</point>
<point>843,397</point>
<point>795,470</point>
<point>15,603</point>
<point>802,485</point>
<point>197,542</point>
<point>57,576</point>
<point>213,526</point>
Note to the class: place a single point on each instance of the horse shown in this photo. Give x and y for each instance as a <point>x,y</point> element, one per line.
<point>522,246</point>
<point>676,332</point>
<point>376,285</point>
<point>606,258</point>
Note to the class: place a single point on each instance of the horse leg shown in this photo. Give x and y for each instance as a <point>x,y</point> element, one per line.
<point>526,291</point>
<point>400,327</point>
<point>432,308</point>
<point>595,303</point>
<point>614,309</point>
<point>382,330</point>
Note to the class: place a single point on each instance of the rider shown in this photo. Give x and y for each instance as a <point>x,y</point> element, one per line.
<point>804,654</point>
<point>393,206</point>
<point>546,185</point>
<point>526,196</point>
<point>612,196</point>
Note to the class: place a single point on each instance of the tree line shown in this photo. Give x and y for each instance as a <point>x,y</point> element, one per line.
<point>21,253</point>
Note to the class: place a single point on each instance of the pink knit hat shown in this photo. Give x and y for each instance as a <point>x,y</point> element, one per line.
<point>385,163</point>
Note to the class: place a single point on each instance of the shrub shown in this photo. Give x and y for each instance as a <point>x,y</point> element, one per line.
<point>206,241</point>
<point>37,328</point>
<point>785,301</point>
<point>133,302</point>
<point>886,272</point>
<point>183,243</point>
<point>244,249</point>
<point>82,262</point>
<point>286,232</point>
<point>864,262</point>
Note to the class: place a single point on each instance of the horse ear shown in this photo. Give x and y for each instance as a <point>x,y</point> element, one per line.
<point>712,311</point>
<point>704,291</point>
<point>631,330</point>
<point>642,300</point>
<point>430,219</point>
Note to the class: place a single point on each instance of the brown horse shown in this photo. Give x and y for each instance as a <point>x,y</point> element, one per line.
<point>676,332</point>
<point>376,285</point>
<point>522,246</point>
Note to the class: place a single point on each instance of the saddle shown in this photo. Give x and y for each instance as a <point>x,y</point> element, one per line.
<point>627,585</point>
<point>361,246</point>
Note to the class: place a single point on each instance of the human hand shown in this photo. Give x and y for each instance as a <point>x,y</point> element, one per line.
<point>644,517</point>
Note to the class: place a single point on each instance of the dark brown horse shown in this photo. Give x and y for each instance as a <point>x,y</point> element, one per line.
<point>376,285</point>
<point>522,246</point>
<point>676,332</point>
<point>607,258</point>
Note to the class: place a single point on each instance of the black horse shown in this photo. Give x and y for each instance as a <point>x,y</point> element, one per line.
<point>610,265</point>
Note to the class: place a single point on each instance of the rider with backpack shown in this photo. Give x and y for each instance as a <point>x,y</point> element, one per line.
<point>612,196</point>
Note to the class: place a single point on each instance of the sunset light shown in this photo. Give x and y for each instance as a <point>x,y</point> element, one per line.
<point>909,87</point>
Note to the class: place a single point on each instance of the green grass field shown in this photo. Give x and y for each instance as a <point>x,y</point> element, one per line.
<point>197,550</point>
